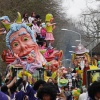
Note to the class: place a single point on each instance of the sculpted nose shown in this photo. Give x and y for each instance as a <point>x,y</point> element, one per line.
<point>24,46</point>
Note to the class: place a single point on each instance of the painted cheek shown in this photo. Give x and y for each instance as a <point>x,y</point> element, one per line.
<point>16,50</point>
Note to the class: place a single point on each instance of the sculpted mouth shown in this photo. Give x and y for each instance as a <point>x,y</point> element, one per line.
<point>29,59</point>
<point>26,54</point>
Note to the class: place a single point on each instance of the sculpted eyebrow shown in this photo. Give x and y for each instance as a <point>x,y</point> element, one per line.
<point>12,39</point>
<point>22,33</point>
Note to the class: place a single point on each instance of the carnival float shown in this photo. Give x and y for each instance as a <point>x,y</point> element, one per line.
<point>24,57</point>
<point>84,65</point>
<point>23,52</point>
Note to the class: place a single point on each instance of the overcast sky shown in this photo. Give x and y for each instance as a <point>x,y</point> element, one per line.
<point>73,8</point>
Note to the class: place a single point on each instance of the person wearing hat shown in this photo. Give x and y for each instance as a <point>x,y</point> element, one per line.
<point>61,84</point>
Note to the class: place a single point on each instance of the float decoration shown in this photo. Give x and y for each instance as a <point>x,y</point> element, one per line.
<point>24,52</point>
<point>81,61</point>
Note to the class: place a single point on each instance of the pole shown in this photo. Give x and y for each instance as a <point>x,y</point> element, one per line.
<point>73,32</point>
<point>76,33</point>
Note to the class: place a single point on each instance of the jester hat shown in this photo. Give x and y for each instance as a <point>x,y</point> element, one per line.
<point>7,25</point>
<point>11,28</point>
<point>80,49</point>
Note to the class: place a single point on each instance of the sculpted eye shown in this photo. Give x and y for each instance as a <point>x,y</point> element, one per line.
<point>15,44</point>
<point>25,38</point>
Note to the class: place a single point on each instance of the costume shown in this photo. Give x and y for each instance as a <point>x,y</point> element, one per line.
<point>49,34</point>
<point>43,30</point>
<point>27,91</point>
<point>84,74</point>
<point>81,60</point>
<point>49,28</point>
<point>4,96</point>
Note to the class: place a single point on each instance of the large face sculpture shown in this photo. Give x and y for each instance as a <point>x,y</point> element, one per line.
<point>21,40</point>
<point>22,43</point>
<point>80,57</point>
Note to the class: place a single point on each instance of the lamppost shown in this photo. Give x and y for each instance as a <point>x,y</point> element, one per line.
<point>73,32</point>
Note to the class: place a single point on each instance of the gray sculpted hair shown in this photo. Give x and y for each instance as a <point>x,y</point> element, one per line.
<point>16,27</point>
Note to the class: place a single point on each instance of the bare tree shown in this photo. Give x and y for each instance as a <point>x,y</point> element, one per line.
<point>90,23</point>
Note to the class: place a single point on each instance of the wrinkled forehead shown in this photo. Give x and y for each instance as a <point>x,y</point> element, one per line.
<point>19,33</point>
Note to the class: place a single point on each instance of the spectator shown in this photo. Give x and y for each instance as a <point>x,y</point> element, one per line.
<point>43,30</point>
<point>25,18</point>
<point>34,25</point>
<point>44,46</point>
<point>38,27</point>
<point>26,91</point>
<point>4,96</point>
<point>94,90</point>
<point>38,17</point>
<point>50,80</point>
<point>39,36</point>
<point>5,88</point>
<point>47,92</point>
<point>32,17</point>
<point>83,95</point>
<point>68,93</point>
<point>38,84</point>
<point>0,79</point>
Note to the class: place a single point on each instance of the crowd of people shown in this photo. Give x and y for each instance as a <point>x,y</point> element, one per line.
<point>59,83</point>
<point>40,28</point>
<point>20,89</point>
